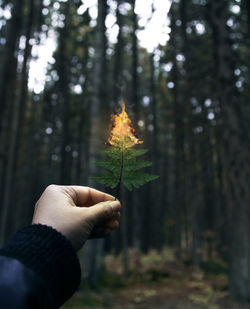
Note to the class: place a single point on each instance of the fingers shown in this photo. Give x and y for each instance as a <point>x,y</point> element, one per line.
<point>112,223</point>
<point>104,211</point>
<point>103,231</point>
<point>85,196</point>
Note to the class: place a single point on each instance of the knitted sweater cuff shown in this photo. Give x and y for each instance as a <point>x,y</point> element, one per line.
<point>49,254</point>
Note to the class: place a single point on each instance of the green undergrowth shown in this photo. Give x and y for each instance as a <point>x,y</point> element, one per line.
<point>214,267</point>
<point>154,276</point>
<point>111,281</point>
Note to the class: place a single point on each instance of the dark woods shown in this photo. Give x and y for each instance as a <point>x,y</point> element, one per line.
<point>188,100</point>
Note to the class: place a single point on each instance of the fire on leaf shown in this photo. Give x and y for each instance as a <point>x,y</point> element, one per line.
<point>122,134</point>
<point>121,165</point>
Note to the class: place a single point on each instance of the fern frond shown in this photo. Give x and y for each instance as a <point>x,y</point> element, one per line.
<point>132,153</point>
<point>108,179</point>
<point>137,179</point>
<point>130,174</point>
<point>110,165</point>
<point>113,153</point>
<point>136,165</point>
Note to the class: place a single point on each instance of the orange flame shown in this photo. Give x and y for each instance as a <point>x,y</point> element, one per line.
<point>122,134</point>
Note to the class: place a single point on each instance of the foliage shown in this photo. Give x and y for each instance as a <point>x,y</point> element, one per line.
<point>123,166</point>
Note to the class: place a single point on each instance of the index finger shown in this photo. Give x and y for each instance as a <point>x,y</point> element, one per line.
<point>86,196</point>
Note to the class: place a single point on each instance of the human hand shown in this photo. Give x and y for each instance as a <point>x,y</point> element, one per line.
<point>77,212</point>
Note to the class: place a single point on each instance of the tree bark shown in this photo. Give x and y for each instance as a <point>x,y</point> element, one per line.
<point>135,86</point>
<point>118,60</point>
<point>21,146</point>
<point>236,149</point>
<point>93,251</point>
<point>135,103</point>
<point>7,97</point>
<point>157,215</point>
<point>64,96</point>
<point>180,194</point>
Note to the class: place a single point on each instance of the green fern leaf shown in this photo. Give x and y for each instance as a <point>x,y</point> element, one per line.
<point>136,165</point>
<point>124,167</point>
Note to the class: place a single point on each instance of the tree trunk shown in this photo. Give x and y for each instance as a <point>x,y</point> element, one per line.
<point>23,122</point>
<point>188,122</point>
<point>64,96</point>
<point>9,62</point>
<point>118,60</point>
<point>180,195</point>
<point>135,103</point>
<point>157,218</point>
<point>135,86</point>
<point>207,176</point>
<point>8,96</point>
<point>93,251</point>
<point>236,149</point>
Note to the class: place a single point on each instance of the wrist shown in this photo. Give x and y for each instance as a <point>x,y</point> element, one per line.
<point>49,254</point>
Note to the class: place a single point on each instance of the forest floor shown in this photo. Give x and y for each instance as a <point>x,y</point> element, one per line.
<point>156,281</point>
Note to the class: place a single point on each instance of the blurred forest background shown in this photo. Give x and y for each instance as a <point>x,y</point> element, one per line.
<point>188,96</point>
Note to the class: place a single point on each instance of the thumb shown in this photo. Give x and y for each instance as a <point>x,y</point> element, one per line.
<point>103,211</point>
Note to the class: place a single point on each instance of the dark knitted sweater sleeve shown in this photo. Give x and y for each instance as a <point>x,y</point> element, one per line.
<point>49,255</point>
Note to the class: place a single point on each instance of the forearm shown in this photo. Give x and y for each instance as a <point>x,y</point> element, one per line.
<point>50,256</point>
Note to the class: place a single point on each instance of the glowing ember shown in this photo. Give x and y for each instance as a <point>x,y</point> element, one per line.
<point>122,134</point>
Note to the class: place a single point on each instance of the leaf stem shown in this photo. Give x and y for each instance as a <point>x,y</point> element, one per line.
<point>120,175</point>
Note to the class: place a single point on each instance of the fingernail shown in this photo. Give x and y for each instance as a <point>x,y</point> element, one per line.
<point>115,205</point>
<point>112,198</point>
